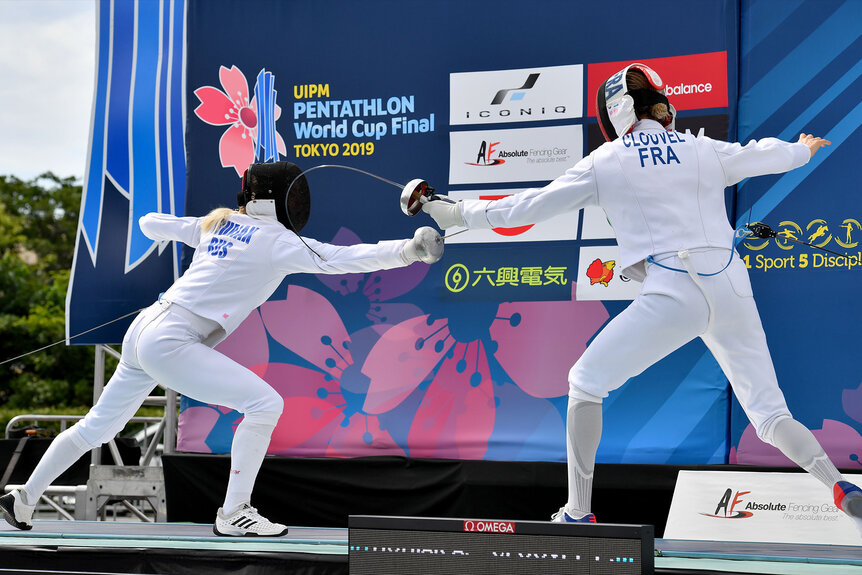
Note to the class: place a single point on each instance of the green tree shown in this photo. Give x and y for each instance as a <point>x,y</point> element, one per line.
<point>39,219</point>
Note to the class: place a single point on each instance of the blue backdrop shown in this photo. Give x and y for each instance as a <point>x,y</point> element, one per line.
<point>467,358</point>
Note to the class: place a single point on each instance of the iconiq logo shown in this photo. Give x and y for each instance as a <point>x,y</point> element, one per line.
<point>518,92</point>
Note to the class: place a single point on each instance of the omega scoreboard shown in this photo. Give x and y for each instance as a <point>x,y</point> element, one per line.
<point>433,546</point>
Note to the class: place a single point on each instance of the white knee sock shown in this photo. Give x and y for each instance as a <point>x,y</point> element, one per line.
<point>246,456</point>
<point>63,452</point>
<point>798,443</point>
<point>584,430</point>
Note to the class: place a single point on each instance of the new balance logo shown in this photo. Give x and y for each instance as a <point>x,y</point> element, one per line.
<point>501,95</point>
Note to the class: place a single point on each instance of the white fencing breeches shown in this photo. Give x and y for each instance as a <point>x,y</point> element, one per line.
<point>672,309</point>
<point>163,345</point>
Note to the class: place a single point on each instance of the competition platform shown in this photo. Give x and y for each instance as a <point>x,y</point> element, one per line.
<point>109,547</point>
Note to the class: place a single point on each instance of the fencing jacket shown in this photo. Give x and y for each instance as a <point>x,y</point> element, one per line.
<point>662,191</point>
<point>237,266</point>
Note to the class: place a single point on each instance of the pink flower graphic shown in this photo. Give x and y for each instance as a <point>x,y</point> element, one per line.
<point>427,387</point>
<point>370,293</point>
<point>460,399</point>
<point>323,413</point>
<point>841,442</point>
<point>322,402</point>
<point>231,107</point>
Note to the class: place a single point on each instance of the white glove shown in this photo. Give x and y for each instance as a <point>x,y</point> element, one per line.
<point>446,212</point>
<point>426,245</point>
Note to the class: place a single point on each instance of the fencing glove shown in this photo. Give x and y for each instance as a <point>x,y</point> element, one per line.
<point>426,246</point>
<point>445,211</point>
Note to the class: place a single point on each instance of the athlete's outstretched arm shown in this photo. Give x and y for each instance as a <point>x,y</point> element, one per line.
<point>572,191</point>
<point>813,142</point>
<point>165,227</point>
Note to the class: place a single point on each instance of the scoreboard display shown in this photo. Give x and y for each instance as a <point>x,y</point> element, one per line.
<point>434,546</point>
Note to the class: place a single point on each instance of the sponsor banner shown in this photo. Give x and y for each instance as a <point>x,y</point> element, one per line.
<point>758,507</point>
<point>561,227</point>
<point>596,225</point>
<point>479,526</point>
<point>500,273</point>
<point>692,82</point>
<point>785,253</point>
<point>524,95</point>
<point>520,155</point>
<point>600,278</point>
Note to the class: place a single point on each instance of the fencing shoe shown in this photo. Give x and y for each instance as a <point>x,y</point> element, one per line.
<point>848,498</point>
<point>246,522</point>
<point>17,513</point>
<point>562,516</point>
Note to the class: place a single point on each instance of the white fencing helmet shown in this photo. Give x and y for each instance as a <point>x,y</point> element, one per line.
<point>617,104</point>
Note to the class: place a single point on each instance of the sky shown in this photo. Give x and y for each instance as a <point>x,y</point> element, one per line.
<point>47,75</point>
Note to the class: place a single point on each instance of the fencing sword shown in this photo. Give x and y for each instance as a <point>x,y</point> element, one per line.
<point>413,194</point>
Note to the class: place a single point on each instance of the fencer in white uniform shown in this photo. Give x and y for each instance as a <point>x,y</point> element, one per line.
<point>663,193</point>
<point>241,257</point>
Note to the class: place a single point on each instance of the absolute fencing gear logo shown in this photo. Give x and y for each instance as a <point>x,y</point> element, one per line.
<point>726,508</point>
<point>483,157</point>
<point>732,506</point>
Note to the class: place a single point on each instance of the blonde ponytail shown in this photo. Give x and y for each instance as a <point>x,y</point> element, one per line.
<point>216,218</point>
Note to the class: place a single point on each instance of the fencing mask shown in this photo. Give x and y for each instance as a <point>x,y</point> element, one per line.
<point>617,103</point>
<point>264,194</point>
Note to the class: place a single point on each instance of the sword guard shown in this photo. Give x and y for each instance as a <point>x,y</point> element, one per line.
<point>761,230</point>
<point>414,194</point>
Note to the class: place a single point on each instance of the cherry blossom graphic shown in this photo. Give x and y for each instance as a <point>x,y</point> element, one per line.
<point>429,386</point>
<point>452,356</point>
<point>842,443</point>
<point>365,299</point>
<point>323,412</point>
<point>315,372</point>
<point>851,401</point>
<point>233,106</point>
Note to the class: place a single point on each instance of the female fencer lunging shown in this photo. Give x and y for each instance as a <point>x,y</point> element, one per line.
<point>241,256</point>
<point>663,193</point>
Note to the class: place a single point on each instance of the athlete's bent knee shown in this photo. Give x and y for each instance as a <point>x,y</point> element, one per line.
<point>579,394</point>
<point>766,429</point>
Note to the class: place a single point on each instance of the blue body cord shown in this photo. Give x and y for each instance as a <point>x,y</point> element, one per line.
<point>739,234</point>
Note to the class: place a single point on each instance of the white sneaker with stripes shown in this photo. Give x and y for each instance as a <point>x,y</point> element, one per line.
<point>246,522</point>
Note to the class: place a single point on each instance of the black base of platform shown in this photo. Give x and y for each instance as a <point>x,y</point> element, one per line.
<point>46,560</point>
<point>323,492</point>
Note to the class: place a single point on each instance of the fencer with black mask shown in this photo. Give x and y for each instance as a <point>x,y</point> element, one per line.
<point>241,256</point>
<point>663,193</point>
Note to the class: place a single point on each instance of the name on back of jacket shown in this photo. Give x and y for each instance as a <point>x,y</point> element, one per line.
<point>237,232</point>
<point>654,148</point>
